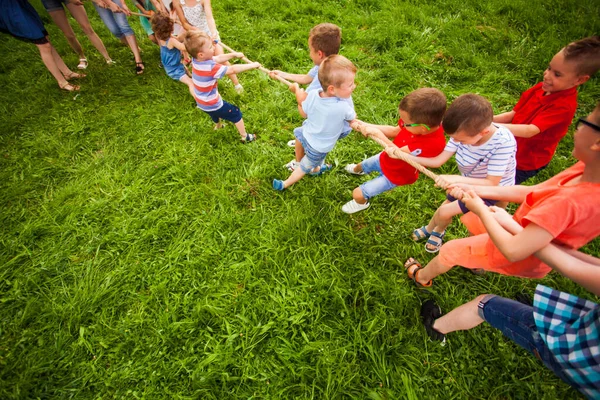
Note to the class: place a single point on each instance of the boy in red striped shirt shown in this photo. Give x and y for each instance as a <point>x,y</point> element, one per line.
<point>207,69</point>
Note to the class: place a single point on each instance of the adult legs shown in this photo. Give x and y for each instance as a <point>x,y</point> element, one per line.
<point>60,19</point>
<point>78,12</point>
<point>55,65</point>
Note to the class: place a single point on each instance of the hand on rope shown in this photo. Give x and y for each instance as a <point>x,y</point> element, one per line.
<point>263,69</point>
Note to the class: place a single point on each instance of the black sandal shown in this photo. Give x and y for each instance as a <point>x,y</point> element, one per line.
<point>139,68</point>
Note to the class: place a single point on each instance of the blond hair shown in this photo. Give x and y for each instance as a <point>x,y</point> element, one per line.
<point>334,70</point>
<point>469,113</point>
<point>425,106</point>
<point>194,42</point>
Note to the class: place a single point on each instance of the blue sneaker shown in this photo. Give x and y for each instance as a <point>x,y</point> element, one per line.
<point>278,185</point>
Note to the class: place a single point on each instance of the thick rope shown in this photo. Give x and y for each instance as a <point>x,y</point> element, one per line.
<point>263,69</point>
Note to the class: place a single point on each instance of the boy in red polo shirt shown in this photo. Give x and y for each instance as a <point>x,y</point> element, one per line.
<point>543,114</point>
<point>419,133</point>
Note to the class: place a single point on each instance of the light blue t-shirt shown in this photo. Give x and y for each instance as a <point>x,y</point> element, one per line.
<point>316,85</point>
<point>325,120</point>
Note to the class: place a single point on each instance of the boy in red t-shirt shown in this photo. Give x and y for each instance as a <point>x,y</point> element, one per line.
<point>419,133</point>
<point>543,114</point>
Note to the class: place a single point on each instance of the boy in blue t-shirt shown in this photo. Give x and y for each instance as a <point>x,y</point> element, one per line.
<point>326,111</point>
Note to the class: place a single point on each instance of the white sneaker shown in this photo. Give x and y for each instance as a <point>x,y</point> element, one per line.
<point>292,165</point>
<point>291,143</point>
<point>352,206</point>
<point>350,169</point>
<point>239,88</point>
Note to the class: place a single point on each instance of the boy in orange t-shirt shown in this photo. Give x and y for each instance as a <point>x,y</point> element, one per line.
<point>562,210</point>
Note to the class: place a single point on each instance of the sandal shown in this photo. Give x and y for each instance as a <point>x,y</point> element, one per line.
<point>322,169</point>
<point>69,87</point>
<point>420,233</point>
<point>249,138</point>
<point>139,68</point>
<point>83,63</point>
<point>413,272</point>
<point>74,75</point>
<point>435,241</point>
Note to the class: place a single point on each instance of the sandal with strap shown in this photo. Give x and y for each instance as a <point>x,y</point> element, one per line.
<point>322,169</point>
<point>249,138</point>
<point>420,233</point>
<point>435,241</point>
<point>74,75</point>
<point>139,68</point>
<point>69,87</point>
<point>83,63</point>
<point>413,272</point>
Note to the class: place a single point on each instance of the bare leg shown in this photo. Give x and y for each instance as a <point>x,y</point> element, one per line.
<point>188,81</point>
<point>132,43</point>
<point>298,150</point>
<point>78,12</point>
<point>462,318</point>
<point>241,128</point>
<point>294,177</point>
<point>60,19</point>
<point>233,77</point>
<point>432,270</point>
<point>358,196</point>
<point>443,216</point>
<point>153,39</point>
<point>58,70</point>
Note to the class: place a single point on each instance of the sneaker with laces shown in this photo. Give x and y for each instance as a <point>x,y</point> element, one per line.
<point>350,169</point>
<point>429,313</point>
<point>352,206</point>
<point>239,88</point>
<point>291,143</point>
<point>292,165</point>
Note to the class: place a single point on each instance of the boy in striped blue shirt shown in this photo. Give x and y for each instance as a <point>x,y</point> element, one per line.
<point>484,152</point>
<point>207,69</point>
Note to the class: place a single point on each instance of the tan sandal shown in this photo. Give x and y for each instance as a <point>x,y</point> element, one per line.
<point>74,75</point>
<point>83,63</point>
<point>413,272</point>
<point>69,87</point>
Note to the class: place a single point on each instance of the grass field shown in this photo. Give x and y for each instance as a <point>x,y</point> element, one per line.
<point>143,255</point>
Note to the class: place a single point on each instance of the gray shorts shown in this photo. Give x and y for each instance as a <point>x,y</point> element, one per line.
<point>53,5</point>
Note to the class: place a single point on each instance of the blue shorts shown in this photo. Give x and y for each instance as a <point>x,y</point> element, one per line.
<point>228,112</point>
<point>521,176</point>
<point>464,208</point>
<point>515,321</point>
<point>312,158</point>
<point>376,185</point>
<point>53,5</point>
<point>177,73</point>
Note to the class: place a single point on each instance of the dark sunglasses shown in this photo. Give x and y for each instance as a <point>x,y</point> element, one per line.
<point>587,123</point>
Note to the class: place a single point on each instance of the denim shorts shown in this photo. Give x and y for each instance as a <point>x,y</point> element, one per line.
<point>515,321</point>
<point>115,22</point>
<point>53,5</point>
<point>312,158</point>
<point>376,185</point>
<point>228,112</point>
<point>463,206</point>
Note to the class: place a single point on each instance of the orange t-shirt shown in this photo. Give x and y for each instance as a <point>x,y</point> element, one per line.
<point>569,213</point>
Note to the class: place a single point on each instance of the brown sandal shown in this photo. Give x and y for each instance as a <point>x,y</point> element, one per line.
<point>413,272</point>
<point>69,87</point>
<point>74,75</point>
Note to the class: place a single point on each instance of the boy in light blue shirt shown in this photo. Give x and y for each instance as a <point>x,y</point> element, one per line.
<point>326,111</point>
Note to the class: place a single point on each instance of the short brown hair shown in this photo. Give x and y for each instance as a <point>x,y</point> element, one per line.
<point>162,25</point>
<point>194,41</point>
<point>469,113</point>
<point>326,38</point>
<point>585,53</point>
<point>425,106</point>
<point>334,69</point>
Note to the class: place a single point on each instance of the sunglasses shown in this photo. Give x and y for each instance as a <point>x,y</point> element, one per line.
<point>403,125</point>
<point>587,123</point>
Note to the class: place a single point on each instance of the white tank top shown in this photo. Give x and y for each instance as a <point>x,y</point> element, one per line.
<point>196,16</point>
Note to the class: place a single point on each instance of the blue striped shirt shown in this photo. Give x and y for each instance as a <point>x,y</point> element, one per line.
<point>496,157</point>
<point>570,327</point>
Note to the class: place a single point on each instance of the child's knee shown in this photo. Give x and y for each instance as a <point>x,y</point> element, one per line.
<point>357,194</point>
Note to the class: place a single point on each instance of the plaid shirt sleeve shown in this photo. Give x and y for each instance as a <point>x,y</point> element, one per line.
<point>570,327</point>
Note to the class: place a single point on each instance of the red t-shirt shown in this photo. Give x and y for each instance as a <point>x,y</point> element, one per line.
<point>429,145</point>
<point>552,114</point>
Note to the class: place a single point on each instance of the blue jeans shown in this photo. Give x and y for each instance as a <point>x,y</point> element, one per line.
<point>376,185</point>
<point>115,22</point>
<point>515,321</point>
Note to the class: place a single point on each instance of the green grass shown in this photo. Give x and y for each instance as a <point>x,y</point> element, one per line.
<point>144,255</point>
